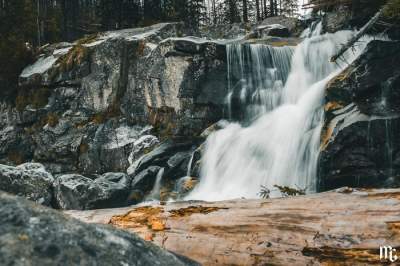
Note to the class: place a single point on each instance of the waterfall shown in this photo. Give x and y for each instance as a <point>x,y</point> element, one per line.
<point>256,74</point>
<point>155,192</point>
<point>280,91</point>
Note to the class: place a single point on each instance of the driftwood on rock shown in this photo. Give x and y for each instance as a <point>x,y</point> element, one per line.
<point>356,37</point>
<point>343,227</point>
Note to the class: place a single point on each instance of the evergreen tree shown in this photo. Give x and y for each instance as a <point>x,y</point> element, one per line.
<point>195,13</point>
<point>17,30</point>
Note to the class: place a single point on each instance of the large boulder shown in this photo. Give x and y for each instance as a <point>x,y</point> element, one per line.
<point>275,30</point>
<point>145,180</point>
<point>30,180</point>
<point>162,168</point>
<point>33,235</point>
<point>82,193</point>
<point>360,140</point>
<point>162,154</point>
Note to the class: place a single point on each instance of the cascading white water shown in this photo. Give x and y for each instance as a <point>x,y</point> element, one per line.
<point>281,143</point>
<point>256,74</point>
<point>155,192</point>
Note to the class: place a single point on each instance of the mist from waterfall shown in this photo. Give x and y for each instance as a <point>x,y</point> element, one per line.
<point>280,93</point>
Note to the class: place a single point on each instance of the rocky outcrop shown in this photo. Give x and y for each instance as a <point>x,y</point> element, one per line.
<point>275,30</point>
<point>30,180</point>
<point>289,231</point>
<point>83,106</point>
<point>77,192</point>
<point>33,235</point>
<point>169,161</point>
<point>360,144</point>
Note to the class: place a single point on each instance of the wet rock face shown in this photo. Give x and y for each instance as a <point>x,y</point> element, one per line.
<point>171,160</point>
<point>41,236</point>
<point>81,193</point>
<point>30,180</point>
<point>360,141</point>
<point>84,106</point>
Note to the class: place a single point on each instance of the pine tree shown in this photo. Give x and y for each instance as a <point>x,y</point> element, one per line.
<point>195,13</point>
<point>245,11</point>
<point>18,28</point>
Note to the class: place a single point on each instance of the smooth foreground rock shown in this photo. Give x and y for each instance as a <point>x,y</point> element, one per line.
<point>360,140</point>
<point>82,193</point>
<point>34,235</point>
<point>343,227</point>
<point>30,180</point>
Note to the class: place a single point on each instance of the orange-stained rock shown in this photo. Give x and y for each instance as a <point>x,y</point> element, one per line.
<point>343,227</point>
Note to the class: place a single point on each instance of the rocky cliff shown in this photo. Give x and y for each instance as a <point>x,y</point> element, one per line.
<point>360,145</point>
<point>84,104</point>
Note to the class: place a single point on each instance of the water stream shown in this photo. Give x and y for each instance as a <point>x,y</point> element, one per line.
<point>280,94</point>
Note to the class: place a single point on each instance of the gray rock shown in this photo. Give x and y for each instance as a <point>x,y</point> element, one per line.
<point>213,128</point>
<point>33,235</point>
<point>292,24</point>
<point>195,166</point>
<point>144,181</point>
<point>141,146</point>
<point>120,178</point>
<point>160,155</point>
<point>28,180</point>
<point>361,144</point>
<point>275,30</point>
<point>81,193</point>
<point>130,78</point>
<point>177,165</point>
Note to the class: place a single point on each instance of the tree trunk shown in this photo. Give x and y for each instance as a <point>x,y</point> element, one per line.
<point>64,13</point>
<point>344,227</point>
<point>214,12</point>
<point>265,9</point>
<point>39,31</point>
<point>258,10</point>
<point>356,37</point>
<point>232,11</point>
<point>245,14</point>
<point>271,8</point>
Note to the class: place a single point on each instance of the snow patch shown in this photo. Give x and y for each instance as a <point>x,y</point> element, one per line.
<point>42,65</point>
<point>63,51</point>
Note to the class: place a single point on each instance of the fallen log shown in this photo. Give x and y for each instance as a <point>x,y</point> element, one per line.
<point>345,227</point>
<point>356,37</point>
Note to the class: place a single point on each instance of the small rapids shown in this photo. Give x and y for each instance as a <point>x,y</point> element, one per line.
<point>280,93</point>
